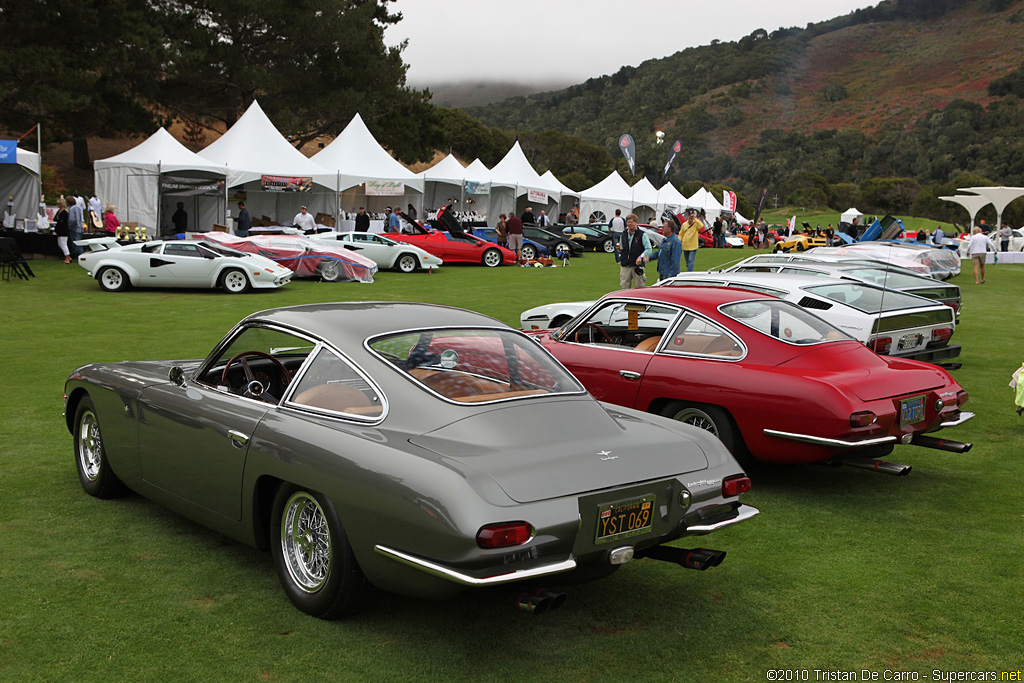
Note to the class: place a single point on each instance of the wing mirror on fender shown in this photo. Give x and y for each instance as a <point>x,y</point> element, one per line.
<point>177,375</point>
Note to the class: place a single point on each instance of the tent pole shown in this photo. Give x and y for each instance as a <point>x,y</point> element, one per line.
<point>159,201</point>
<point>39,149</point>
<point>337,199</point>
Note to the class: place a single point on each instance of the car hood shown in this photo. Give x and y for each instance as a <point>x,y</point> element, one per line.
<point>869,376</point>
<point>546,449</point>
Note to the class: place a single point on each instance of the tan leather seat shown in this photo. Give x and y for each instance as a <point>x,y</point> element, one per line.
<point>336,397</point>
<point>648,344</point>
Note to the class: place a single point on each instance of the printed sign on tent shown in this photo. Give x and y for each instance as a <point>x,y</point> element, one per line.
<point>537,197</point>
<point>477,187</point>
<point>385,188</point>
<point>176,185</point>
<point>281,183</point>
<point>8,151</point>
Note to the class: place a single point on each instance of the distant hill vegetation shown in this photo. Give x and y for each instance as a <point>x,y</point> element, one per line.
<point>465,94</point>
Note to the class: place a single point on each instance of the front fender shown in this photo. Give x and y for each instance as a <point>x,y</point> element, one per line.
<point>134,277</point>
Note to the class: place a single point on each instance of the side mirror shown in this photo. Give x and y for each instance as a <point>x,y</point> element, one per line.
<point>177,376</point>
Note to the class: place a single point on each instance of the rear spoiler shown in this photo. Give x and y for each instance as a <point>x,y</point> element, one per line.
<point>97,243</point>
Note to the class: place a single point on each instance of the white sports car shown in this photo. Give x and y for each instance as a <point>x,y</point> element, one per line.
<point>382,250</point>
<point>178,263</point>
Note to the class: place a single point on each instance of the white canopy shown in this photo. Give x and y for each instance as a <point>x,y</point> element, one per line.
<point>603,198</point>
<point>563,189</point>
<point>448,170</point>
<point>704,200</point>
<point>355,156</point>
<point>21,181</point>
<point>253,147</point>
<point>670,197</point>
<point>131,182</point>
<point>514,171</point>
<point>848,215</point>
<point>645,194</point>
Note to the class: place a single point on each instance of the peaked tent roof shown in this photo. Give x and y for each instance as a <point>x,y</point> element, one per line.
<point>612,188</point>
<point>448,170</point>
<point>563,188</point>
<point>253,147</point>
<point>478,172</point>
<point>355,156</point>
<point>160,151</point>
<point>514,170</point>
<point>668,196</point>
<point>645,194</point>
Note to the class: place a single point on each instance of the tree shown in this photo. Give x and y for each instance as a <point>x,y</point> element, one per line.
<point>80,68</point>
<point>313,63</point>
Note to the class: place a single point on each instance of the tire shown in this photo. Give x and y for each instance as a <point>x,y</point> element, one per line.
<point>777,249</point>
<point>234,281</point>
<point>800,246</point>
<point>608,246</point>
<point>407,263</point>
<point>771,241</point>
<point>529,252</point>
<point>113,279</point>
<point>491,258</point>
<point>330,270</point>
<point>709,418</point>
<point>94,471</point>
<point>312,556</point>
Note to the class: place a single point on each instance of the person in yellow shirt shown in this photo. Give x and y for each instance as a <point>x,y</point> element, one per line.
<point>688,235</point>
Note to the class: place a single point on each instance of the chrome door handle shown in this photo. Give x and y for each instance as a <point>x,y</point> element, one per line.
<point>238,439</point>
<point>629,374</point>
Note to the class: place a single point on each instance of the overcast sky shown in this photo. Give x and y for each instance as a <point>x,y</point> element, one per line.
<point>569,41</point>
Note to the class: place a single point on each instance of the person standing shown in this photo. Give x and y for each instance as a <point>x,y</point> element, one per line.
<point>670,252</point>
<point>411,212</point>
<point>60,222</point>
<point>617,225</point>
<point>527,217</point>
<point>978,249</point>
<point>689,236</point>
<point>75,219</point>
<point>304,220</point>
<point>362,220</point>
<point>938,236</point>
<point>502,230</point>
<point>543,220</point>
<point>244,223</point>
<point>180,219</point>
<point>514,226</point>
<point>394,223</point>
<point>1005,233</point>
<point>110,222</point>
<point>634,251</point>
<point>717,235</point>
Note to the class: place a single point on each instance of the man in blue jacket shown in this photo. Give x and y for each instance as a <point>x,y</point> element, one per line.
<point>670,253</point>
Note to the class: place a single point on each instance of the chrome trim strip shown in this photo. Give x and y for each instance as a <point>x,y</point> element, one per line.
<point>964,417</point>
<point>823,441</point>
<point>745,513</point>
<point>466,580</point>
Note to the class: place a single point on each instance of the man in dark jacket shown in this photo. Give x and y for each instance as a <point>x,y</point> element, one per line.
<point>362,220</point>
<point>244,222</point>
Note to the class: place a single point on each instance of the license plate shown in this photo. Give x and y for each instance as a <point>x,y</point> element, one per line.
<point>909,341</point>
<point>911,410</point>
<point>624,518</point>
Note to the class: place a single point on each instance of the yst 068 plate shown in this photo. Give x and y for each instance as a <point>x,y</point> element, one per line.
<point>911,410</point>
<point>624,518</point>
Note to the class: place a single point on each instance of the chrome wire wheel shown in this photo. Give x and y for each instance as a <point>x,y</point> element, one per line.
<point>698,418</point>
<point>90,445</point>
<point>306,542</point>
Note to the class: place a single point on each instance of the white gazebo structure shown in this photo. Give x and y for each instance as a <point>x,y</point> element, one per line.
<point>999,197</point>
<point>972,202</point>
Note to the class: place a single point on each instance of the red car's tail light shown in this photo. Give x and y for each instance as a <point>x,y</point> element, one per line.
<point>504,534</point>
<point>880,344</point>
<point>942,334</point>
<point>735,485</point>
<point>863,419</point>
<point>955,305</point>
<point>961,397</point>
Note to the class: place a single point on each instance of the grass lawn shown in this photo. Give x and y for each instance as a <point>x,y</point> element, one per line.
<point>843,570</point>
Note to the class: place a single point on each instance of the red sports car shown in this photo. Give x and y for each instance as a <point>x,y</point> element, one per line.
<point>452,248</point>
<point>769,378</point>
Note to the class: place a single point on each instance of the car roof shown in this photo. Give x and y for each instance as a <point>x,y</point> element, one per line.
<point>696,296</point>
<point>355,321</point>
<point>778,280</point>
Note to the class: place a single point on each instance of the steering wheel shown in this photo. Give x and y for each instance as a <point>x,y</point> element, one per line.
<point>249,376</point>
<point>576,337</point>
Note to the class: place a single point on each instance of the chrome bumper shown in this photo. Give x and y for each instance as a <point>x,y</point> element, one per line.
<point>964,417</point>
<point>745,513</point>
<point>832,443</point>
<point>467,580</point>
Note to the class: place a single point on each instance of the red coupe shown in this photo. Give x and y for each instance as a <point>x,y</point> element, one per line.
<point>453,248</point>
<point>769,378</point>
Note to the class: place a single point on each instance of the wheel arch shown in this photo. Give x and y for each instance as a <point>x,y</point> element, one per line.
<point>659,405</point>
<point>133,275</point>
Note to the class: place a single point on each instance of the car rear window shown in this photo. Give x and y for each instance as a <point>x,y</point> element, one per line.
<point>868,299</point>
<point>475,365</point>
<point>784,321</point>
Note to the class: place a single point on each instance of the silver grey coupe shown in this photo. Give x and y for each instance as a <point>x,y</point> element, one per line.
<point>413,448</point>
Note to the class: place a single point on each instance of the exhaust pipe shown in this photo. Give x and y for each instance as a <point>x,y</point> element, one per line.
<point>877,466</point>
<point>695,558</point>
<point>539,601</point>
<point>940,444</point>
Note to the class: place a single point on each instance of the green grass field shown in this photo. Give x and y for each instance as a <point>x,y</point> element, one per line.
<point>843,570</point>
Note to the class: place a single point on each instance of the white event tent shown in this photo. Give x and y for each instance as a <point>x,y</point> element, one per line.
<point>848,215</point>
<point>145,183</point>
<point>20,181</point>
<point>355,159</point>
<point>670,198</point>
<point>513,177</point>
<point>705,201</point>
<point>253,148</point>
<point>570,197</point>
<point>645,201</point>
<point>598,203</point>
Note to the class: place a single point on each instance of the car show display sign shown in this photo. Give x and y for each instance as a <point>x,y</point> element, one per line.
<point>385,188</point>
<point>537,197</point>
<point>179,185</point>
<point>282,183</point>
<point>8,151</point>
<point>476,187</point>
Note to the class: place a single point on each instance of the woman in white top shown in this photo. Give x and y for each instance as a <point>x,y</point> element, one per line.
<point>977,248</point>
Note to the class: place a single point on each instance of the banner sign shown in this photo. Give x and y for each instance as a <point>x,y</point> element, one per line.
<point>476,187</point>
<point>283,183</point>
<point>673,152</point>
<point>8,151</point>
<point>384,188</point>
<point>628,147</point>
<point>729,200</point>
<point>175,185</point>
<point>537,197</point>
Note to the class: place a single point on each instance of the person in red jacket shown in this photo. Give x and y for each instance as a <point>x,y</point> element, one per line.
<point>110,222</point>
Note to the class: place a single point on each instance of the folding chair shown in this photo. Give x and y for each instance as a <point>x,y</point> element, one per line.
<point>11,261</point>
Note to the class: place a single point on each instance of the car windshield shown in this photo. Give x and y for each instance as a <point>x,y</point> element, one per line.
<point>866,298</point>
<point>783,320</point>
<point>475,365</point>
